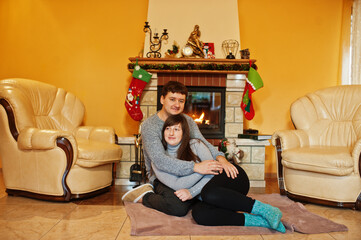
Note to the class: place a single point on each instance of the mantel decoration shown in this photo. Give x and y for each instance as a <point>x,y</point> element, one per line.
<point>230,48</point>
<point>192,66</point>
<point>245,53</point>
<point>230,150</point>
<point>156,43</point>
<point>195,43</point>
<point>209,50</point>
<point>253,83</point>
<point>132,101</point>
<point>172,52</point>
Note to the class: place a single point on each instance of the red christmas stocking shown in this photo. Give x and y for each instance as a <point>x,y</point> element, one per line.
<point>253,83</point>
<point>139,81</point>
<point>246,103</point>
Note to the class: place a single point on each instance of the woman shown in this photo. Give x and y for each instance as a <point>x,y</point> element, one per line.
<point>221,197</point>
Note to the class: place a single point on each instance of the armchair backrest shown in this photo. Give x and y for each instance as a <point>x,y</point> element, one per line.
<point>330,116</point>
<point>41,105</point>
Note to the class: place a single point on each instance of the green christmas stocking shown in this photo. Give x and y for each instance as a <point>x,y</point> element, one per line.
<point>253,83</point>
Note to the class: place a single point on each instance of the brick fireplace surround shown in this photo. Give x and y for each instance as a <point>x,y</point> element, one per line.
<point>233,81</point>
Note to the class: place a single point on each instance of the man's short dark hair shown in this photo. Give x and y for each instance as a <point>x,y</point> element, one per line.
<point>174,87</point>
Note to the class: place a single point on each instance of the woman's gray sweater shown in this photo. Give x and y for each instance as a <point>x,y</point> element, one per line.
<point>154,153</point>
<point>193,182</point>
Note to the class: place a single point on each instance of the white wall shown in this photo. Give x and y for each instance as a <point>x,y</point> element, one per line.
<point>217,20</point>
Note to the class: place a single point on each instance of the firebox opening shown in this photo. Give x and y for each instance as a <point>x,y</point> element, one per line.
<point>206,105</point>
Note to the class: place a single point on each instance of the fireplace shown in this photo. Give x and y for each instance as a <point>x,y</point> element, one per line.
<point>206,105</point>
<point>208,74</point>
<point>228,75</point>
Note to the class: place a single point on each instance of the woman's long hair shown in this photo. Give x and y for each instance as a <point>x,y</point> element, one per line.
<point>184,151</point>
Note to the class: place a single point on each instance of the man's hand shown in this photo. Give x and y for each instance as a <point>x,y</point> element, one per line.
<point>228,167</point>
<point>208,167</point>
<point>183,194</point>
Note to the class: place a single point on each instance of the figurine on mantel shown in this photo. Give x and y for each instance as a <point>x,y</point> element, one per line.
<point>245,53</point>
<point>171,53</point>
<point>194,43</point>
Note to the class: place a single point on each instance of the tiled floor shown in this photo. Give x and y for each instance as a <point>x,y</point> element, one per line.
<point>104,217</point>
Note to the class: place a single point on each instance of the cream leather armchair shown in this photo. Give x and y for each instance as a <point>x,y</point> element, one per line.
<point>45,153</point>
<point>319,162</point>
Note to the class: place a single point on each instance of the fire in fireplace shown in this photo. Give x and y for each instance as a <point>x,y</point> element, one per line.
<point>206,105</point>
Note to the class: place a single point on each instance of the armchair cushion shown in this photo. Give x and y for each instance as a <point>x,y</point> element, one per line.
<point>102,134</point>
<point>96,146</point>
<point>328,160</point>
<point>95,153</point>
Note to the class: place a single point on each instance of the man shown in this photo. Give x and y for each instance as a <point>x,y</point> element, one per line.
<point>173,98</point>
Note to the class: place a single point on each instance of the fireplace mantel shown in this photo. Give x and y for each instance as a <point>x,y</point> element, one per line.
<point>192,65</point>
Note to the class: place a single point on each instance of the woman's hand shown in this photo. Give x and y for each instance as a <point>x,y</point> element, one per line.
<point>208,167</point>
<point>183,194</point>
<point>228,167</point>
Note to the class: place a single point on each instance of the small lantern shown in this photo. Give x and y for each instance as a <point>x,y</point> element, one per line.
<point>230,48</point>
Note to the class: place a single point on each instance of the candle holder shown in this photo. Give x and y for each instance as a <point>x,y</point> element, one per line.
<point>156,43</point>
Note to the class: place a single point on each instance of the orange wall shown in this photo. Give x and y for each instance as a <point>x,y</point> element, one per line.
<point>83,46</point>
<point>297,47</point>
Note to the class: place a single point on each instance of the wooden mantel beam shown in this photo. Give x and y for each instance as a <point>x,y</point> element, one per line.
<point>191,65</point>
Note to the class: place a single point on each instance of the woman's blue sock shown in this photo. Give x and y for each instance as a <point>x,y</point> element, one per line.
<point>272,214</point>
<point>258,221</point>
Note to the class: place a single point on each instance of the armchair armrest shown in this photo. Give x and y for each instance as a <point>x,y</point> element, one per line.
<point>286,139</point>
<point>40,139</point>
<point>102,134</point>
<point>290,138</point>
<point>356,157</point>
<point>46,140</point>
